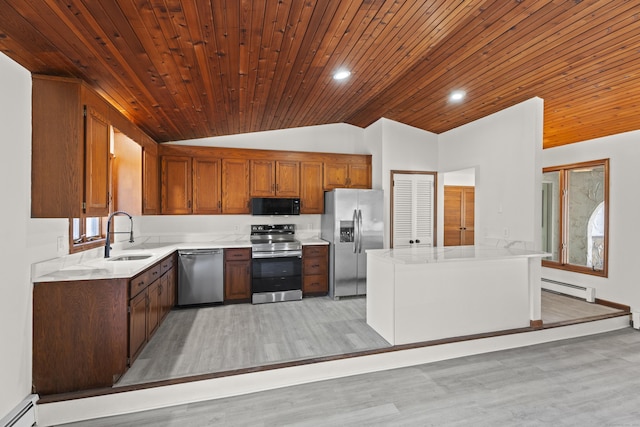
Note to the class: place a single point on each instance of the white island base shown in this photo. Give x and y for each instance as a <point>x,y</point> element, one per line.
<point>425,294</point>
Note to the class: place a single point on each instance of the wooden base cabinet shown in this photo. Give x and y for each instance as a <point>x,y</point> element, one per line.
<point>153,296</point>
<point>86,332</point>
<point>237,275</point>
<point>79,335</point>
<point>315,267</point>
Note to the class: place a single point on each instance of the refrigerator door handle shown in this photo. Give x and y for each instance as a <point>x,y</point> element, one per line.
<point>356,234</point>
<point>359,231</point>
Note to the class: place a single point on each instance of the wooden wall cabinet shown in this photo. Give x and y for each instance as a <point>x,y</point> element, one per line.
<point>311,188</point>
<point>246,173</point>
<point>277,178</point>
<point>235,186</point>
<point>346,175</point>
<point>176,185</point>
<point>150,178</point>
<point>70,149</point>
<point>315,267</point>
<point>237,275</point>
<point>206,186</point>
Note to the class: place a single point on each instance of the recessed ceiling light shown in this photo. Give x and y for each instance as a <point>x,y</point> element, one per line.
<point>457,95</point>
<point>341,74</point>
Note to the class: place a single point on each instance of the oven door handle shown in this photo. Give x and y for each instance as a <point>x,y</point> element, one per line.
<point>277,254</point>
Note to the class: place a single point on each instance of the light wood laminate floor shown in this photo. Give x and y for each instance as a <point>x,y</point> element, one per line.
<point>223,338</point>
<point>589,381</point>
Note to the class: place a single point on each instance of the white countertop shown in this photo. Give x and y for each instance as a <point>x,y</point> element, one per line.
<point>99,268</point>
<point>427,255</point>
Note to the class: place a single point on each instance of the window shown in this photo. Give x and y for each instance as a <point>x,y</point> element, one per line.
<point>86,233</point>
<point>575,214</point>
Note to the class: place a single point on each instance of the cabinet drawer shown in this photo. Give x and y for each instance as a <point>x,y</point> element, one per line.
<point>315,265</point>
<point>237,254</point>
<point>315,250</point>
<point>315,283</point>
<point>144,279</point>
<point>166,264</point>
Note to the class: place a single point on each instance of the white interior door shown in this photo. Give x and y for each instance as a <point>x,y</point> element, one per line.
<point>413,210</point>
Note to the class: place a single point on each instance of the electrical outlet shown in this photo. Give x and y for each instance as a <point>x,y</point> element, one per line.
<point>505,232</point>
<point>236,228</point>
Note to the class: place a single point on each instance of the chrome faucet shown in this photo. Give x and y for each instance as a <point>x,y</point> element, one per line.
<point>107,245</point>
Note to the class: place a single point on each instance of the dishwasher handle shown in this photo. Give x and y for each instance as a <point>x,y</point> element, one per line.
<point>200,252</point>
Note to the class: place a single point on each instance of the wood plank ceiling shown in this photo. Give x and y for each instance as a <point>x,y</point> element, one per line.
<point>184,69</point>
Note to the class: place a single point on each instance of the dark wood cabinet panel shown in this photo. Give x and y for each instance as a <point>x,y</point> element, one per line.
<point>86,332</point>
<point>263,178</point>
<point>271,178</point>
<point>176,185</point>
<point>138,307</point>
<point>79,335</point>
<point>346,175</point>
<point>206,186</point>
<point>150,180</point>
<point>235,186</point>
<point>335,175</point>
<point>287,179</point>
<point>311,190</point>
<point>155,307</point>
<point>247,173</point>
<point>359,176</point>
<point>97,143</point>
<point>315,267</point>
<point>69,149</point>
<point>237,275</point>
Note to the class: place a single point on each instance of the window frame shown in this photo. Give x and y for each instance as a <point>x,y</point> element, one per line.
<point>84,244</point>
<point>563,262</point>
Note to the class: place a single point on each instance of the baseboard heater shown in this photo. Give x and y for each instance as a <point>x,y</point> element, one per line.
<point>586,293</point>
<point>23,415</point>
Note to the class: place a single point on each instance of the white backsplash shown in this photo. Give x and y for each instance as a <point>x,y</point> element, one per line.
<point>158,229</point>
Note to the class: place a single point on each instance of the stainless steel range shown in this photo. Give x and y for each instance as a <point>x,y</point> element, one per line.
<point>276,264</point>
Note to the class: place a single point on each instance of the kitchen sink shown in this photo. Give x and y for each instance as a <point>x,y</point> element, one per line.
<point>131,257</point>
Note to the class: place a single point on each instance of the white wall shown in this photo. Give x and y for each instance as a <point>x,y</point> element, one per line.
<point>334,138</point>
<point>396,146</point>
<point>465,177</point>
<point>15,288</point>
<point>505,150</point>
<point>623,150</point>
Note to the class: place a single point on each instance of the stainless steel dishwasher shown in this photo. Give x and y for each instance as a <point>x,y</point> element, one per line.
<point>200,276</point>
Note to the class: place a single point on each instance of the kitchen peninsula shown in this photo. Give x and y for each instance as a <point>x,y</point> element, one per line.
<point>423,294</point>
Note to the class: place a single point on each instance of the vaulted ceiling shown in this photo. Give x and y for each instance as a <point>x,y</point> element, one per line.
<point>184,69</point>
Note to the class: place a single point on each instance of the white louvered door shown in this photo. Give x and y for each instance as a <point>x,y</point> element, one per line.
<point>413,210</point>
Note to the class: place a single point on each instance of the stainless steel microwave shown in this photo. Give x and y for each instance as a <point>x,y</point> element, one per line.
<point>274,206</point>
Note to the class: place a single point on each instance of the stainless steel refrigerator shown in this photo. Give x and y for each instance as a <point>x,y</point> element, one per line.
<point>352,222</point>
